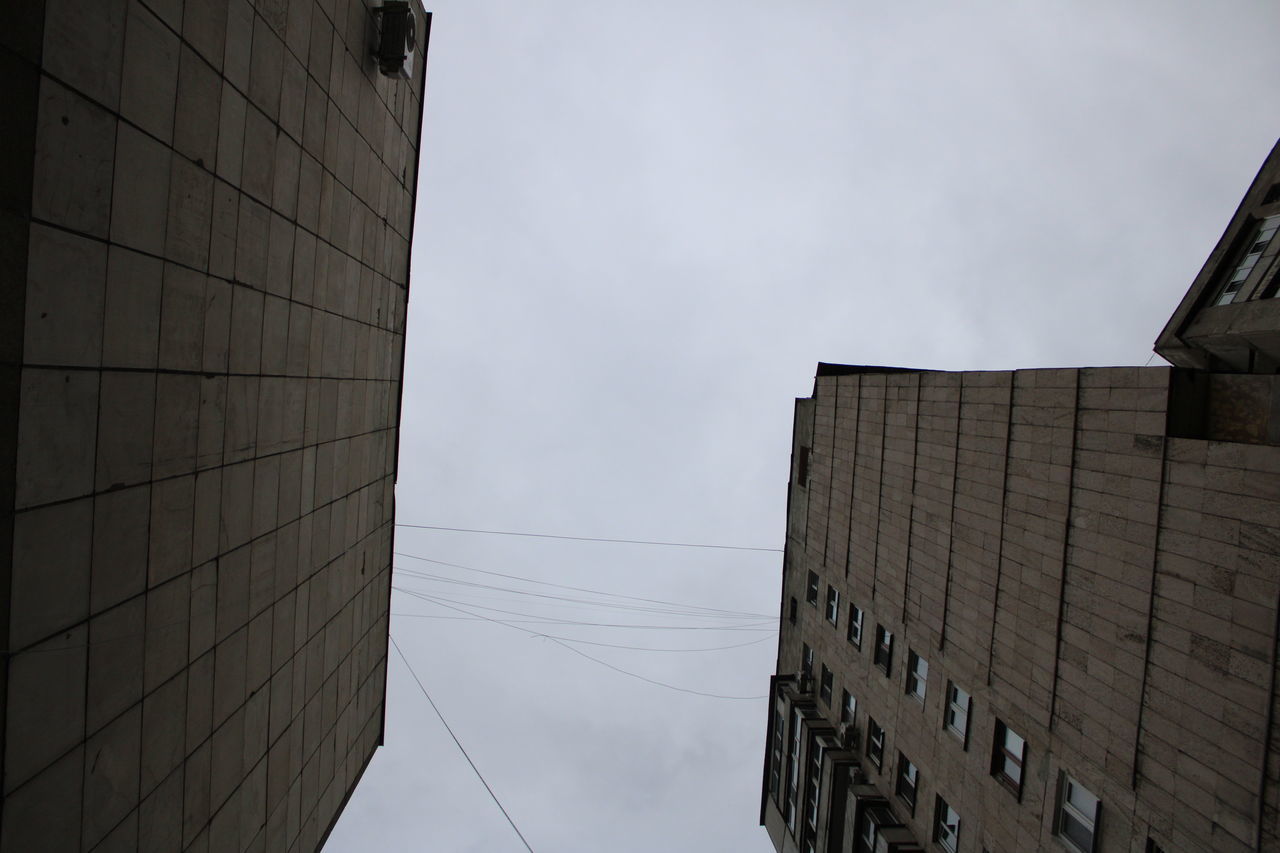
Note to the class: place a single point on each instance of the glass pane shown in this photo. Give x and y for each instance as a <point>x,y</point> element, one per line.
<point>1085,802</point>
<point>1079,834</point>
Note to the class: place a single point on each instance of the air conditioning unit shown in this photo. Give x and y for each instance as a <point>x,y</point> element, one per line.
<point>397,38</point>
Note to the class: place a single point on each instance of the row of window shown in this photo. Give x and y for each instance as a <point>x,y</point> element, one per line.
<point>1077,814</point>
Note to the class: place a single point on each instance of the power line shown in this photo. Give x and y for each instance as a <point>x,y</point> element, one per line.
<point>589,538</point>
<point>553,621</point>
<point>560,585</point>
<point>689,610</point>
<point>597,660</point>
<point>459,743</point>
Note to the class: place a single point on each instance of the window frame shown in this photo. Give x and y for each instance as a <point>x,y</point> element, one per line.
<point>826,687</point>
<point>854,631</point>
<point>949,713</point>
<point>1002,757</point>
<point>946,836</point>
<point>1068,809</point>
<point>848,707</point>
<point>833,605</point>
<point>806,660</point>
<point>875,743</point>
<point>917,681</point>
<point>907,781</point>
<point>812,582</point>
<point>883,656</point>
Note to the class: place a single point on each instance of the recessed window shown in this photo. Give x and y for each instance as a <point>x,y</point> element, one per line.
<point>811,589</point>
<point>814,788</point>
<point>779,746</point>
<point>1252,252</point>
<point>946,826</point>
<point>884,649</point>
<point>908,782</point>
<point>875,743</point>
<point>1152,846</point>
<point>802,468</point>
<point>792,610</point>
<point>848,707</point>
<point>806,660</point>
<point>793,771</point>
<point>833,604</point>
<point>956,717</point>
<point>917,675</point>
<point>855,626</point>
<point>1008,757</point>
<point>824,690</point>
<point>1077,815</point>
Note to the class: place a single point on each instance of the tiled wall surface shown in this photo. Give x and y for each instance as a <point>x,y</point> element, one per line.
<point>206,239</point>
<point>1105,591</point>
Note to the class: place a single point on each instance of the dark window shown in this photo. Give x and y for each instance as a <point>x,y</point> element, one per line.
<point>811,589</point>
<point>875,743</point>
<point>1077,815</point>
<point>848,707</point>
<point>833,604</point>
<point>884,649</point>
<point>806,660</point>
<point>1008,757</point>
<point>824,691</point>
<point>792,614</point>
<point>855,626</point>
<point>1152,847</point>
<point>956,716</point>
<point>802,469</point>
<point>946,826</point>
<point>813,789</point>
<point>917,675</point>
<point>908,782</point>
<point>779,745</point>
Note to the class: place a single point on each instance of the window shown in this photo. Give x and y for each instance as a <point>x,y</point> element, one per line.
<point>792,614</point>
<point>946,826</point>
<point>824,690</point>
<point>917,675</point>
<point>779,744</point>
<point>811,590</point>
<point>956,717</point>
<point>884,649</point>
<point>1077,815</point>
<point>814,788</point>
<point>848,707</point>
<point>1007,758</point>
<point>855,626</point>
<point>806,661</point>
<point>908,782</point>
<point>793,772</point>
<point>875,743</point>
<point>833,604</point>
<point>1253,250</point>
<point>1152,846</point>
<point>802,469</point>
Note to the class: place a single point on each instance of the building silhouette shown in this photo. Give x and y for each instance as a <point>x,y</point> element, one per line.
<point>207,209</point>
<point>1037,609</point>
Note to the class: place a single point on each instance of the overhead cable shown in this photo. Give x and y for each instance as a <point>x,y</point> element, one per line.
<point>597,660</point>
<point>457,742</point>
<point>589,538</point>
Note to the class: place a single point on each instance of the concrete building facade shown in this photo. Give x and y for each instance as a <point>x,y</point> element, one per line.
<point>205,220</point>
<point>1037,609</point>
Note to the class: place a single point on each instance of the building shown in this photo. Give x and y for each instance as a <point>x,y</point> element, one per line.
<point>1037,609</point>
<point>207,210</point>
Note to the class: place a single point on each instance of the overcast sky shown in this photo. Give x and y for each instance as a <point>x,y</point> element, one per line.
<point>639,227</point>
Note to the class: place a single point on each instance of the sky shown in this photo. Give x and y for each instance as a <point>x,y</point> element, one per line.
<point>639,228</point>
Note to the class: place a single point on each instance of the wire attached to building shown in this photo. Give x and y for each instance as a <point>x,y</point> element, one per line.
<point>589,657</point>
<point>461,748</point>
<point>589,538</point>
